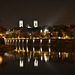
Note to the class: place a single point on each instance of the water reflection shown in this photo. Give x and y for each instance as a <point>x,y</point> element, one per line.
<point>37,53</point>
<point>49,40</point>
<point>28,59</point>
<point>33,49</point>
<point>43,56</point>
<point>21,63</point>
<point>35,63</point>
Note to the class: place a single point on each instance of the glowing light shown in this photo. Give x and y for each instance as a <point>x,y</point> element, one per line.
<point>1,59</point>
<point>27,49</point>
<point>46,30</point>
<point>49,50</point>
<point>41,49</point>
<point>59,54</point>
<point>40,40</point>
<point>39,52</point>
<point>16,50</point>
<point>41,30</point>
<point>35,63</point>
<point>21,63</point>
<point>19,41</point>
<point>1,34</point>
<point>19,48</point>
<point>49,40</point>
<point>21,23</point>
<point>33,49</point>
<point>66,55</point>
<point>13,41</point>
<point>16,41</point>
<point>33,40</point>
<point>23,50</point>
<point>27,41</point>
<point>28,59</point>
<point>22,41</point>
<point>67,36</point>
<point>59,37</point>
<point>35,23</point>
<point>45,58</point>
<point>28,26</point>
<point>41,58</point>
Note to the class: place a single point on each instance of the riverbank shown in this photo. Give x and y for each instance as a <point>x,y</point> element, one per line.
<point>4,48</point>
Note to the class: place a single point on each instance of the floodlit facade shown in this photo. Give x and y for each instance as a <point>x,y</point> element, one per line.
<point>20,23</point>
<point>35,23</point>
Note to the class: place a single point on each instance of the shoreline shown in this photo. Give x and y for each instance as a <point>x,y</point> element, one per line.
<point>6,48</point>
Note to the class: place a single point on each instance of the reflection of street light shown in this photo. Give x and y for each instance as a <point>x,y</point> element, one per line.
<point>49,50</point>
<point>41,58</point>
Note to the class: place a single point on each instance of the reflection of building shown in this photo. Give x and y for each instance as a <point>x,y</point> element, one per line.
<point>21,63</point>
<point>35,63</point>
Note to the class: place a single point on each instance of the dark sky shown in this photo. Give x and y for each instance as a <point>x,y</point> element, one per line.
<point>48,12</point>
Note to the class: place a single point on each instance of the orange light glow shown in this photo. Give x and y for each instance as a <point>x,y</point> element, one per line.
<point>27,51</point>
<point>16,50</point>
<point>23,50</point>
<point>1,34</point>
<point>1,59</point>
<point>20,50</point>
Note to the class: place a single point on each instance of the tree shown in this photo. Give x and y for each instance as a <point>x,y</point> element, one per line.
<point>2,29</point>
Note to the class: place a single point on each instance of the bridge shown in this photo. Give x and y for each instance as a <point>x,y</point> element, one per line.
<point>27,44</point>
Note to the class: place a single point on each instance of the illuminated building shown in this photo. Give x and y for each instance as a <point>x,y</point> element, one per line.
<point>28,26</point>
<point>20,23</point>
<point>35,23</point>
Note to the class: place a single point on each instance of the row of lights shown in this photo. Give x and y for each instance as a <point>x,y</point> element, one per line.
<point>23,50</point>
<point>26,41</point>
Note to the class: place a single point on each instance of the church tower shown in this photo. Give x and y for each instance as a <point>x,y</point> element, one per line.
<point>35,23</point>
<point>20,23</point>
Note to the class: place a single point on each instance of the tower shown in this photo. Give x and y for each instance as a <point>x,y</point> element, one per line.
<point>20,23</point>
<point>35,23</point>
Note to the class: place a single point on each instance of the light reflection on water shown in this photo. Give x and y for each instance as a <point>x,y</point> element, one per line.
<point>35,58</point>
<point>36,55</point>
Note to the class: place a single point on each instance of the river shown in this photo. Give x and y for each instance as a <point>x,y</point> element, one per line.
<point>51,58</point>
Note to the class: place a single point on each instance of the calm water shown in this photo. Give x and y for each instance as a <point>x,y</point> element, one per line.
<point>40,59</point>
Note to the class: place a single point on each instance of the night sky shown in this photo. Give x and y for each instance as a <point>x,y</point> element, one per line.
<point>48,12</point>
